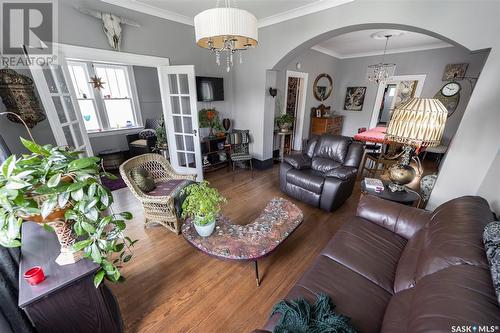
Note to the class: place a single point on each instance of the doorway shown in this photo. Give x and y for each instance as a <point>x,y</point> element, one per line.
<point>390,94</point>
<point>296,87</point>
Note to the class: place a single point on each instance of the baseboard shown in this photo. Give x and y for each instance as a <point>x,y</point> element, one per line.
<point>261,165</point>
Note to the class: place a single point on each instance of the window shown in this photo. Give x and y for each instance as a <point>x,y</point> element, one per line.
<point>111,107</point>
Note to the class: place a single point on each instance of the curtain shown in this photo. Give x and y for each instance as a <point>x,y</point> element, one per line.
<point>11,316</point>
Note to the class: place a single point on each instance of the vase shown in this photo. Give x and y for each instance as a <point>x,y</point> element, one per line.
<point>226,123</point>
<point>204,230</point>
<point>66,238</point>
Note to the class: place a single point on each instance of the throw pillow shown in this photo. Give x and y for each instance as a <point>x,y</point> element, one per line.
<point>491,239</point>
<point>143,179</point>
<point>147,133</point>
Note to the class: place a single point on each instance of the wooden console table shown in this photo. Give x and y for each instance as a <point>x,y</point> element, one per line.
<point>67,300</point>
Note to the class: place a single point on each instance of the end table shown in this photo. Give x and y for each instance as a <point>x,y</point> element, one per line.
<point>407,197</point>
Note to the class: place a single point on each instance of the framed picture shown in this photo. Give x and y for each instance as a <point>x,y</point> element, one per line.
<point>454,72</point>
<point>354,98</point>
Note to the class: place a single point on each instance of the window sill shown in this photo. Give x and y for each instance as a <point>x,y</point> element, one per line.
<point>117,131</point>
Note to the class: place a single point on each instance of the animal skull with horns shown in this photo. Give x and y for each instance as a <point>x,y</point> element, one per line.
<point>111,25</point>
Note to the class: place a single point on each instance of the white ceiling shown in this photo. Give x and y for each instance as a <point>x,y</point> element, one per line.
<point>361,44</point>
<point>268,12</point>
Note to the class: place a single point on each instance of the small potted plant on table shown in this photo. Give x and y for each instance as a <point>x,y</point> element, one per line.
<point>285,122</point>
<point>202,204</point>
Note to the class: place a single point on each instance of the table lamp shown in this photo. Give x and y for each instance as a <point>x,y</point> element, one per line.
<point>416,123</point>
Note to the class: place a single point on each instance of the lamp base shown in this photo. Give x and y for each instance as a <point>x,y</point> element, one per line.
<point>401,173</point>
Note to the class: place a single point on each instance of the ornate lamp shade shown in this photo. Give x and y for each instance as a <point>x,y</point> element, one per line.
<point>418,122</point>
<point>216,27</point>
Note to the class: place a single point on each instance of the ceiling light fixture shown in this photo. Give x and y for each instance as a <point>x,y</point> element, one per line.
<point>380,72</point>
<point>226,30</point>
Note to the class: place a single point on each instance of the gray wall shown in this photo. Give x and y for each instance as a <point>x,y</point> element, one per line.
<point>313,63</point>
<point>490,187</point>
<point>11,131</point>
<point>352,73</point>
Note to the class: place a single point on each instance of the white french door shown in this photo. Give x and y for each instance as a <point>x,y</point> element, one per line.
<point>178,92</point>
<point>61,106</point>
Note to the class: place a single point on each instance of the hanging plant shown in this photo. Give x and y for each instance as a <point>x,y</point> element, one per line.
<point>56,183</point>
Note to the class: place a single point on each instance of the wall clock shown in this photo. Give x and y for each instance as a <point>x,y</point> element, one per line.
<point>451,89</point>
<point>449,95</point>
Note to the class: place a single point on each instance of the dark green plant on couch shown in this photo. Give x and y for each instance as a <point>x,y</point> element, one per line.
<point>69,183</point>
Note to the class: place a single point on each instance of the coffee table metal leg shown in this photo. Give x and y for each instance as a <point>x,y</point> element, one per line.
<point>257,273</point>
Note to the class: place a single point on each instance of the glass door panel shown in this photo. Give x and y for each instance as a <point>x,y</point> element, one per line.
<point>178,88</point>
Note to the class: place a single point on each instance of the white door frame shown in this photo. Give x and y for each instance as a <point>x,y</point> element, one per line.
<point>394,79</point>
<point>301,111</point>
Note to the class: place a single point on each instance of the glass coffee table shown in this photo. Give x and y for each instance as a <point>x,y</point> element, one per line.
<point>249,242</point>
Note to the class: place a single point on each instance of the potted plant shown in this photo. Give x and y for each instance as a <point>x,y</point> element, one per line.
<point>56,187</point>
<point>202,204</point>
<point>209,118</point>
<point>285,122</point>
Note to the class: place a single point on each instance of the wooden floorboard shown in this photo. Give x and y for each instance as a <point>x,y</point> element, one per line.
<point>172,287</point>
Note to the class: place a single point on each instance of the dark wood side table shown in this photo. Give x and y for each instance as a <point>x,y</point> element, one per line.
<point>67,300</point>
<point>409,197</point>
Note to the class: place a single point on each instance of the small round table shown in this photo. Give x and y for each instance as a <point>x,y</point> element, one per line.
<point>407,197</point>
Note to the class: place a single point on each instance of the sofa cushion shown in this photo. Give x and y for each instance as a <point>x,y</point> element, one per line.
<point>354,296</point>
<point>368,250</point>
<point>332,147</point>
<point>455,296</point>
<point>147,133</point>
<point>324,165</point>
<point>454,236</point>
<point>491,239</point>
<point>307,179</point>
<point>169,187</point>
<point>311,145</point>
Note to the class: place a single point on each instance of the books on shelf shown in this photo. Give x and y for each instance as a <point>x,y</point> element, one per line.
<point>374,184</point>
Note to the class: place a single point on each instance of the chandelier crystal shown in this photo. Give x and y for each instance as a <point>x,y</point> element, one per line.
<point>380,72</point>
<point>226,30</point>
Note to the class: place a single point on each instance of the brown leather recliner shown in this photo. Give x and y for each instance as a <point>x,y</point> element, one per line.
<point>324,175</point>
<point>394,268</point>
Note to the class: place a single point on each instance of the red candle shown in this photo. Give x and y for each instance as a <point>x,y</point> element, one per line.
<point>34,275</point>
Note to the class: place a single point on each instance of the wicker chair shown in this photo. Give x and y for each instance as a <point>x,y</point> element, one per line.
<point>157,209</point>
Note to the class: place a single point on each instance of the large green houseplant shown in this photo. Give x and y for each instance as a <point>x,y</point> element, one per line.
<point>202,204</point>
<point>55,181</point>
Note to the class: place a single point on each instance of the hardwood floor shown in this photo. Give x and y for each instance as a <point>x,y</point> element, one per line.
<point>171,287</point>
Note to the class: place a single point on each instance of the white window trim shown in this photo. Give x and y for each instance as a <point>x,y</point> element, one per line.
<point>99,104</point>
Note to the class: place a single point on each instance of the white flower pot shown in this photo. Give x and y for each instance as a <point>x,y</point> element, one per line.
<point>205,230</point>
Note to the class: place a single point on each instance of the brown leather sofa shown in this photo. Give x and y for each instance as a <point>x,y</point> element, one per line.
<point>324,175</point>
<point>394,268</point>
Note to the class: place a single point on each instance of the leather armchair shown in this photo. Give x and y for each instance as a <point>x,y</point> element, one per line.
<point>325,173</point>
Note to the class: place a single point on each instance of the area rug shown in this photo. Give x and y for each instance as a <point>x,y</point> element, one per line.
<point>114,185</point>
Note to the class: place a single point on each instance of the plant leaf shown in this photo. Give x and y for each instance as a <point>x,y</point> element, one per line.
<point>127,258</point>
<point>82,163</point>
<point>35,148</point>
<point>62,199</point>
<point>92,214</point>
<point>54,180</point>
<point>76,186</point>
<point>82,244</point>
<point>16,184</point>
<point>13,227</point>
<point>95,254</point>
<point>98,277</point>
<point>48,206</point>
<point>77,195</point>
<point>8,166</point>
<point>120,224</point>
<point>88,227</point>
<point>126,215</point>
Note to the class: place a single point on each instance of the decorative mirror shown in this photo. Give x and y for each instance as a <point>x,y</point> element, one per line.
<point>323,87</point>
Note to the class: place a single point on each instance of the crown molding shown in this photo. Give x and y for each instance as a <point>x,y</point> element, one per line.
<point>381,52</point>
<point>314,7</point>
<point>152,10</point>
<point>300,11</point>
